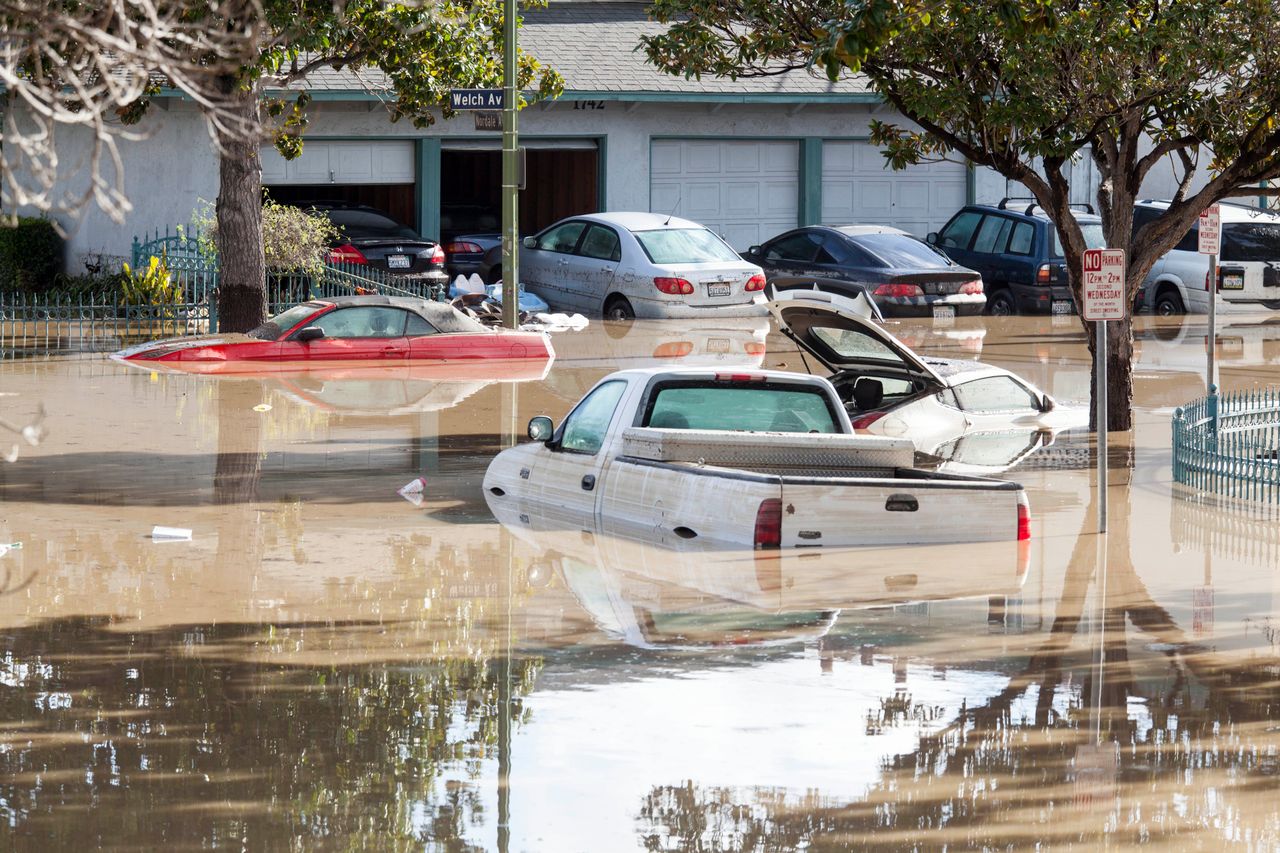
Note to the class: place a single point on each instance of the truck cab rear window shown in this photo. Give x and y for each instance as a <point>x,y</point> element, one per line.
<point>754,407</point>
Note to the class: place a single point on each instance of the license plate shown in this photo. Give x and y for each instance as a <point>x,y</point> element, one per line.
<point>398,262</point>
<point>1060,307</point>
<point>719,345</point>
<point>719,288</point>
<point>944,312</point>
<point>1233,281</point>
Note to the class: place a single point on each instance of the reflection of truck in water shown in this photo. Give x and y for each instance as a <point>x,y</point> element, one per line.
<point>746,459</point>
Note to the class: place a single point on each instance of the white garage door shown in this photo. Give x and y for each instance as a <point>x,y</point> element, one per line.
<point>745,191</point>
<point>371,162</point>
<point>858,188</point>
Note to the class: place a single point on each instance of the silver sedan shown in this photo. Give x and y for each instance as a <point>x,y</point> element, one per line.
<point>626,265</point>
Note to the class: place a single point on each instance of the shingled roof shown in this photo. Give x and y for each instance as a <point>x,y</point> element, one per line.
<point>594,45</point>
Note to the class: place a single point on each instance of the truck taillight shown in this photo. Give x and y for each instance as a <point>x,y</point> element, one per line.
<point>756,282</point>
<point>753,348</point>
<point>673,286</point>
<point>1043,274</point>
<point>867,420</point>
<point>347,255</point>
<point>740,377</point>
<point>972,287</point>
<point>768,536</point>
<point>900,290</point>
<point>1024,517</point>
<point>437,254</point>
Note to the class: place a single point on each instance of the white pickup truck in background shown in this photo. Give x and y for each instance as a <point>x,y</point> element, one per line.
<point>743,459</point>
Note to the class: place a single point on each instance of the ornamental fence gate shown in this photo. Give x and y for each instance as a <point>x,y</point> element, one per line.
<point>1229,444</point>
<point>184,302</point>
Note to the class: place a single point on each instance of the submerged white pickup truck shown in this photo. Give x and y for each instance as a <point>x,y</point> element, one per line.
<point>742,458</point>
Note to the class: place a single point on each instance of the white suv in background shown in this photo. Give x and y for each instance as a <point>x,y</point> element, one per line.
<point>1248,266</point>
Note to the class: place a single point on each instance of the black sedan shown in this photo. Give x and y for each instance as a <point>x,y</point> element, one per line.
<point>904,275</point>
<point>371,237</point>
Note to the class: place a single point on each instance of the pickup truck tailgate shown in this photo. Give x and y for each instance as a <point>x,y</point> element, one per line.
<point>872,511</point>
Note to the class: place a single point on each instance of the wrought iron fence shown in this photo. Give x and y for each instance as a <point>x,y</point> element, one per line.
<point>1229,444</point>
<point>104,321</point>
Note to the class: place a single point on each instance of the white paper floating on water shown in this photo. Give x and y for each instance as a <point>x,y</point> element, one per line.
<point>262,407</point>
<point>170,534</point>
<point>412,491</point>
<point>6,547</point>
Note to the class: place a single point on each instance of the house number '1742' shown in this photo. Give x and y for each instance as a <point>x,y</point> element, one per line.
<point>588,105</point>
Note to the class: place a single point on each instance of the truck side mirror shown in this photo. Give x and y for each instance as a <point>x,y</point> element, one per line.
<point>541,428</point>
<point>310,333</point>
<point>931,238</point>
<point>529,242</point>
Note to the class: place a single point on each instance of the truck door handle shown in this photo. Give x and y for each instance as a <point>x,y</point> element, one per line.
<point>902,503</point>
<point>588,482</point>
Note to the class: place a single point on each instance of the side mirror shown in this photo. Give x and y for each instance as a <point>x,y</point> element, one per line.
<point>931,238</point>
<point>541,428</point>
<point>1047,404</point>
<point>754,251</point>
<point>310,333</point>
<point>529,242</point>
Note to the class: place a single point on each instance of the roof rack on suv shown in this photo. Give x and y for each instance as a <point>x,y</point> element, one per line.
<point>1031,208</point>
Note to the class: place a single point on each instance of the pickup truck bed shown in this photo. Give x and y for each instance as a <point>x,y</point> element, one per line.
<point>772,452</point>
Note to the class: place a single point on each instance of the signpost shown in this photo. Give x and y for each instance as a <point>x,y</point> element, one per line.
<point>1104,302</point>
<point>1210,234</point>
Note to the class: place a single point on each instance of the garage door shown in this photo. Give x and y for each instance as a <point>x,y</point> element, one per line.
<point>745,191</point>
<point>859,189</point>
<point>371,162</point>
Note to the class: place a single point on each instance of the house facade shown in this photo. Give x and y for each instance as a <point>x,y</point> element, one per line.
<point>749,158</point>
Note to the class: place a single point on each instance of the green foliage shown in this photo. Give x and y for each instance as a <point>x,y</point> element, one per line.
<point>152,286</point>
<point>292,239</point>
<point>30,255</point>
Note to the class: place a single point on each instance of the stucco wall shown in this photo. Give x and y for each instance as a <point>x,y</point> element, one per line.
<point>173,166</point>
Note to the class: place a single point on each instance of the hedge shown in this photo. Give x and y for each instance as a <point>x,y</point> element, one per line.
<point>30,255</point>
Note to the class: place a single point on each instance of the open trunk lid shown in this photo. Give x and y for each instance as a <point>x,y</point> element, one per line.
<point>841,333</point>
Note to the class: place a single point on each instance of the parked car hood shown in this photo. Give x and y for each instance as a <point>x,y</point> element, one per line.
<point>155,349</point>
<point>852,338</point>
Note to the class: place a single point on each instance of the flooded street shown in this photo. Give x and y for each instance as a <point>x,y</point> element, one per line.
<point>329,665</point>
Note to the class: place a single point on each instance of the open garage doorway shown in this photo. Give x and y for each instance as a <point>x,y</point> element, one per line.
<point>562,178</point>
<point>379,173</point>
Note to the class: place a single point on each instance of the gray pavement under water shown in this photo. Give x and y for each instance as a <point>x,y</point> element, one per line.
<point>327,665</point>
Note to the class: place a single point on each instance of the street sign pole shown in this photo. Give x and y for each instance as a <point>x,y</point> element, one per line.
<point>1104,301</point>
<point>510,172</point>
<point>1209,240</point>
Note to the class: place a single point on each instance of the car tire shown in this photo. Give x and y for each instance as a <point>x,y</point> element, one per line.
<point>1273,304</point>
<point>1001,304</point>
<point>1169,304</point>
<point>494,275</point>
<point>618,309</point>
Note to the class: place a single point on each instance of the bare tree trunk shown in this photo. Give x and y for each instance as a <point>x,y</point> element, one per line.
<point>242,267</point>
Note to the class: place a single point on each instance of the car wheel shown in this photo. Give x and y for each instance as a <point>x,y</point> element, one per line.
<point>1273,304</point>
<point>1001,304</point>
<point>618,309</point>
<point>1169,304</point>
<point>494,275</point>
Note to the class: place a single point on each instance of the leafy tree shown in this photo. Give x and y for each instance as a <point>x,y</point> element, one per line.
<point>422,50</point>
<point>1027,86</point>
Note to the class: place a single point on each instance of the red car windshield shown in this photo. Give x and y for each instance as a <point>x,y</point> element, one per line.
<point>283,322</point>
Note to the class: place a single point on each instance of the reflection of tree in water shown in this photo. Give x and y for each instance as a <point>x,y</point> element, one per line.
<point>1200,757</point>
<point>161,740</point>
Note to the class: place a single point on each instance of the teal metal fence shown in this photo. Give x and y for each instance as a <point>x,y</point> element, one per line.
<point>104,321</point>
<point>1229,444</point>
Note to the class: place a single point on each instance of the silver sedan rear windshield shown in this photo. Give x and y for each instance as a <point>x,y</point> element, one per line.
<point>684,246</point>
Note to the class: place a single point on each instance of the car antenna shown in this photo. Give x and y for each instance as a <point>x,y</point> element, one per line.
<point>673,211</point>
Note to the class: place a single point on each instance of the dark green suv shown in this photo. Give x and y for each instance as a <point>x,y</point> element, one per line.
<point>1015,247</point>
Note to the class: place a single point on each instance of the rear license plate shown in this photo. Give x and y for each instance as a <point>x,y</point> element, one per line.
<point>719,288</point>
<point>1233,281</point>
<point>718,345</point>
<point>398,262</point>
<point>1060,306</point>
<point>944,312</point>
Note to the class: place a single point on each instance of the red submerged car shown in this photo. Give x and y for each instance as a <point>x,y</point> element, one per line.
<point>348,328</point>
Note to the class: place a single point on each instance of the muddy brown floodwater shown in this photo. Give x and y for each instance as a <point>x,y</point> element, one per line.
<point>326,665</point>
